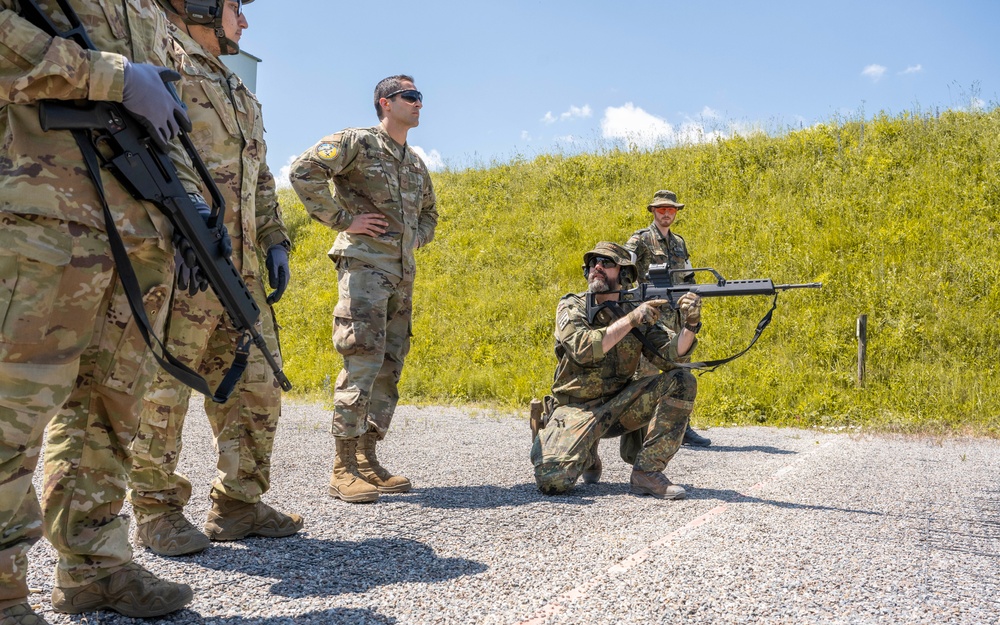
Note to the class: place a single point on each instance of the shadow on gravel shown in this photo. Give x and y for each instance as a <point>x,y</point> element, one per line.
<point>732,496</point>
<point>483,496</point>
<point>308,567</point>
<point>347,616</point>
<point>766,449</point>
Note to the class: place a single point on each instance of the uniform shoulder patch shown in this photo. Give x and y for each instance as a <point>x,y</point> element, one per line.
<point>562,319</point>
<point>327,151</point>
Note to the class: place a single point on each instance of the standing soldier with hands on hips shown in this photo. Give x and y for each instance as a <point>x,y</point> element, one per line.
<point>596,393</point>
<point>71,355</point>
<point>370,186</point>
<point>229,132</point>
<point>658,244</point>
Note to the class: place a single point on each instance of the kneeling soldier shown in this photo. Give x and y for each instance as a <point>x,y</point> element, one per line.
<point>594,394</point>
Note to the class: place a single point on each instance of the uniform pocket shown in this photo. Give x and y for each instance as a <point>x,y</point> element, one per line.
<point>127,358</point>
<point>33,259</point>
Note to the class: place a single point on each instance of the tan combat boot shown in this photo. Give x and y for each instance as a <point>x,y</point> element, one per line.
<point>656,484</point>
<point>18,612</point>
<point>345,482</point>
<point>171,535</point>
<point>373,472</point>
<point>131,590</point>
<point>592,472</point>
<point>232,519</point>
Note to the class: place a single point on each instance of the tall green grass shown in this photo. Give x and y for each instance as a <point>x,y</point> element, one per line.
<point>897,216</point>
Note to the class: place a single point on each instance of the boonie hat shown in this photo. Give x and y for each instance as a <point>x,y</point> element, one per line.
<point>622,257</point>
<point>664,198</point>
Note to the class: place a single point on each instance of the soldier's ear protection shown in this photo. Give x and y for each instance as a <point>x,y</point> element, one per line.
<point>203,13</point>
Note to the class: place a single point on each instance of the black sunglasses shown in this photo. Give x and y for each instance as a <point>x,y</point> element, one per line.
<point>603,261</point>
<point>410,95</point>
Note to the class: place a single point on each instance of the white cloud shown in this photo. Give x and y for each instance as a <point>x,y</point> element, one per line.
<point>914,69</point>
<point>709,113</point>
<point>875,72</point>
<point>574,112</point>
<point>632,124</point>
<point>566,139</point>
<point>432,159</point>
<point>525,135</point>
<point>281,180</point>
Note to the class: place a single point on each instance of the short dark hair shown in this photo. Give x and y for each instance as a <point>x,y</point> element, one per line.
<point>387,86</point>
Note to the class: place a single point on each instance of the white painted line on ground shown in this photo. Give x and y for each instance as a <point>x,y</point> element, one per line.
<point>558,604</point>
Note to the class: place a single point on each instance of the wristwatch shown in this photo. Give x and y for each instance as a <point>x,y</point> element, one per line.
<point>694,329</point>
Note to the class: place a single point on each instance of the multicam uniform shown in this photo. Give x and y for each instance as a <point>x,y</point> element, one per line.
<point>596,396</point>
<point>68,344</point>
<point>371,173</point>
<point>229,133</point>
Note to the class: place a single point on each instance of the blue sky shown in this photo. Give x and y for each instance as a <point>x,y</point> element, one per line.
<point>523,78</point>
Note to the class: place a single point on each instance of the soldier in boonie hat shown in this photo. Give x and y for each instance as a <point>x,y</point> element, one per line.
<point>664,198</point>
<point>614,252</point>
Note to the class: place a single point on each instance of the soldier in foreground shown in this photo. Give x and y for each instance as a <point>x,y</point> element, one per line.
<point>67,339</point>
<point>229,133</point>
<point>382,203</point>
<point>595,393</point>
<point>659,244</point>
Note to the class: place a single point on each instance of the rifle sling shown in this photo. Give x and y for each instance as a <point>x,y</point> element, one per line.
<point>707,365</point>
<point>133,293</point>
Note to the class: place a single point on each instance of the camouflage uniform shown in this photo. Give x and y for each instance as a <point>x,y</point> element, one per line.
<point>229,133</point>
<point>596,396</point>
<point>651,248</point>
<point>69,348</point>
<point>371,173</point>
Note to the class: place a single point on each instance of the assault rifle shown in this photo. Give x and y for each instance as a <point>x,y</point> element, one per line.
<point>107,132</point>
<point>661,287</point>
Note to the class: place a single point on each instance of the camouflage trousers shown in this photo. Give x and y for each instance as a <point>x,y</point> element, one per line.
<point>371,330</point>
<point>201,336</point>
<point>649,415</point>
<point>68,348</point>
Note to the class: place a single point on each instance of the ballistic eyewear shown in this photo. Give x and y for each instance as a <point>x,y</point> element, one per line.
<point>665,209</point>
<point>410,95</point>
<point>603,261</point>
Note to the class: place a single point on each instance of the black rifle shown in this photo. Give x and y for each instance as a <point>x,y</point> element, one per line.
<point>107,132</point>
<point>661,287</point>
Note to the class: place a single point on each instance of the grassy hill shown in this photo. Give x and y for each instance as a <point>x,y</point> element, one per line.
<point>897,216</point>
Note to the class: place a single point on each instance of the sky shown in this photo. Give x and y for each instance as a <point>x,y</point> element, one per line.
<point>520,78</point>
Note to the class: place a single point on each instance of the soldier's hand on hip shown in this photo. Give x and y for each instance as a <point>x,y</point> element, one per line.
<point>145,95</point>
<point>371,224</point>
<point>690,307</point>
<point>647,312</point>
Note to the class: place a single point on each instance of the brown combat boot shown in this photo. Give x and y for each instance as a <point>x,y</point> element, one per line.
<point>171,535</point>
<point>373,472</point>
<point>131,590</point>
<point>232,519</point>
<point>656,484</point>
<point>19,613</point>
<point>592,472</point>
<point>345,482</point>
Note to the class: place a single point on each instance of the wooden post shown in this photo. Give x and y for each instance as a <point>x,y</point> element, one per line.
<point>862,333</point>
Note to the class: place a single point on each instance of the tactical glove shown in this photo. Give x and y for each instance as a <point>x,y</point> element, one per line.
<point>690,307</point>
<point>278,271</point>
<point>646,313</point>
<point>146,96</point>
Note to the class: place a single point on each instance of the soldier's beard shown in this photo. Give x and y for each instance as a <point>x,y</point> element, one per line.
<point>601,284</point>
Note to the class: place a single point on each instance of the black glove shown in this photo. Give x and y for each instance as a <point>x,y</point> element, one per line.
<point>190,276</point>
<point>146,96</point>
<point>278,271</point>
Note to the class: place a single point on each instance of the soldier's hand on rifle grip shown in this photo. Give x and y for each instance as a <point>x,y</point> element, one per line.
<point>690,307</point>
<point>646,313</point>
<point>146,96</point>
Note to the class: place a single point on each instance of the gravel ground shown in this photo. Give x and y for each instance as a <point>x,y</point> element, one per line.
<point>780,526</point>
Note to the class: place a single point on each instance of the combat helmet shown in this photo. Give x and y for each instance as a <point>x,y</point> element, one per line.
<point>207,13</point>
<point>624,258</point>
